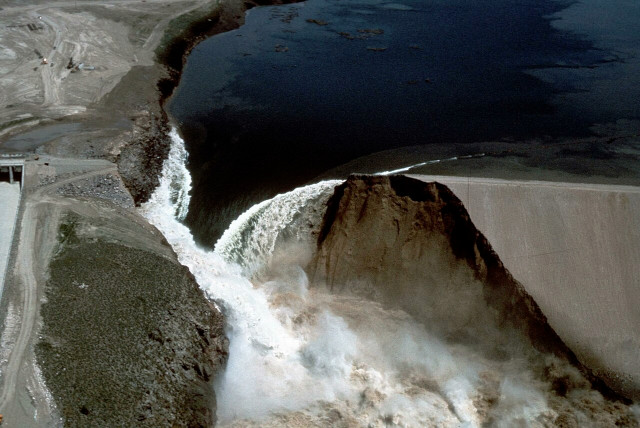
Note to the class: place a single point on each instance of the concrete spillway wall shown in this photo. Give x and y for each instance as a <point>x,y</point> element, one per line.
<point>575,248</point>
<point>10,192</point>
<point>11,170</point>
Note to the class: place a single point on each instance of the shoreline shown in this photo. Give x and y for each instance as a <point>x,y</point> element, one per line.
<point>130,112</point>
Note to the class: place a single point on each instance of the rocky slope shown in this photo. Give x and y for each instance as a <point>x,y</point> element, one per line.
<point>411,245</point>
<point>110,329</point>
<point>142,93</point>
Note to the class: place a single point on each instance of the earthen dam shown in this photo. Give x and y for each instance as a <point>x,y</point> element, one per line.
<point>575,248</point>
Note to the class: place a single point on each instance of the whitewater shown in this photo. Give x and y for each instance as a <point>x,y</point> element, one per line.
<point>300,356</point>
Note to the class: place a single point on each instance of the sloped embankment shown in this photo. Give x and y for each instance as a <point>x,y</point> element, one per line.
<point>128,338</point>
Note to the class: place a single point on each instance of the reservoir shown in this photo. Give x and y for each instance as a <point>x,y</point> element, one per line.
<point>303,88</point>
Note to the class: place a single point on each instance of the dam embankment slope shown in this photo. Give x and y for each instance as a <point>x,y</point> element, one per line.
<point>574,248</point>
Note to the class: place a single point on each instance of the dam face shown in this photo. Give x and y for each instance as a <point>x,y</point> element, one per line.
<point>575,249</point>
<point>11,178</point>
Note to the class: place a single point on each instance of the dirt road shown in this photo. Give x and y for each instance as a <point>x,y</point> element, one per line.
<point>23,393</point>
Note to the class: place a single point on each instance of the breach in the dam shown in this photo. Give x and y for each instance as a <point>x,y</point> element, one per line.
<point>377,301</point>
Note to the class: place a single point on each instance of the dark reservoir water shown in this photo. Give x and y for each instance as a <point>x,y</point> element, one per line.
<point>274,104</point>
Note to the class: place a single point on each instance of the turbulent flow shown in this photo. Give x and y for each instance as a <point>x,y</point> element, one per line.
<point>300,356</point>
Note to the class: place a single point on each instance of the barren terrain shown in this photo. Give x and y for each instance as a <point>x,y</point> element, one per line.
<point>23,398</point>
<point>59,58</point>
<point>72,209</point>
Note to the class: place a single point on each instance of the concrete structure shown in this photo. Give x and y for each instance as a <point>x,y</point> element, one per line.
<point>14,168</point>
<point>9,203</point>
<point>576,249</point>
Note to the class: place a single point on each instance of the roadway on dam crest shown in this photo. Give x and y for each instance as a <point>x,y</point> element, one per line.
<point>9,202</point>
<point>575,248</point>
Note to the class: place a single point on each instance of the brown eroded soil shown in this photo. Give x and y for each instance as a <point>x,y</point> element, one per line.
<point>411,245</point>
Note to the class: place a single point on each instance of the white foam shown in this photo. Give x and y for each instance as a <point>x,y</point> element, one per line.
<point>407,168</point>
<point>429,162</point>
<point>252,237</point>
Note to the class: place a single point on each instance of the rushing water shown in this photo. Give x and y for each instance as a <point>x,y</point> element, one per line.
<point>300,356</point>
<point>291,348</point>
<point>302,88</point>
